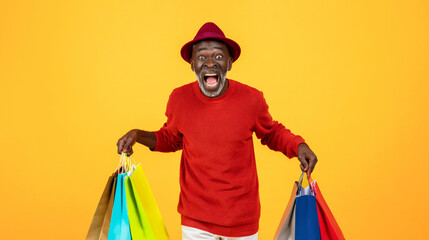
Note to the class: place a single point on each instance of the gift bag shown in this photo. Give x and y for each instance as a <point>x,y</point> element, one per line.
<point>306,221</point>
<point>127,209</point>
<point>300,219</point>
<point>329,229</point>
<point>144,193</point>
<point>307,216</point>
<point>139,223</point>
<point>286,228</point>
<point>99,228</point>
<point>119,224</point>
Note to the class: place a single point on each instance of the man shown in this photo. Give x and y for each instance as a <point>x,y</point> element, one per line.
<point>212,120</point>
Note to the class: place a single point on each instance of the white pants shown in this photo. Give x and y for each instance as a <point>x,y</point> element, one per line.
<point>189,233</point>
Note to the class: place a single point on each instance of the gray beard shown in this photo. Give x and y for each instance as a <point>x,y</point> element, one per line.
<point>222,80</point>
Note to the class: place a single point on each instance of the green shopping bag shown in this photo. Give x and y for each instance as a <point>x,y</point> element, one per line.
<point>140,185</point>
<point>139,223</point>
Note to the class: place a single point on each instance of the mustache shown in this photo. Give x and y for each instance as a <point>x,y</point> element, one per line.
<point>216,70</point>
<point>206,69</point>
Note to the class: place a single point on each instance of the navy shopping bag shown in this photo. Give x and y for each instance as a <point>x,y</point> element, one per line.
<point>306,220</point>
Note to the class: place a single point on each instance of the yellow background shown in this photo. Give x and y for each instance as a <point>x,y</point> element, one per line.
<point>349,76</point>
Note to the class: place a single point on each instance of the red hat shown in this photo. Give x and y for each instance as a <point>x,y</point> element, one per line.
<point>210,31</point>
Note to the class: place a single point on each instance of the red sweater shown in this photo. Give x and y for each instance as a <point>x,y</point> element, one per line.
<point>218,178</point>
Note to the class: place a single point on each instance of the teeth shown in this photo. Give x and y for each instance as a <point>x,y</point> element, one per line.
<point>211,75</point>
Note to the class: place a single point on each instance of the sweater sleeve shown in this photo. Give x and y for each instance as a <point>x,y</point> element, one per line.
<point>274,134</point>
<point>169,138</point>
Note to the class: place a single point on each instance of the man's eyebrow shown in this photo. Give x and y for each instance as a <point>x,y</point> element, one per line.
<point>204,48</point>
<point>201,49</point>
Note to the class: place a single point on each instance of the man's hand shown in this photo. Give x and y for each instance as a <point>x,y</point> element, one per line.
<point>307,158</point>
<point>125,144</point>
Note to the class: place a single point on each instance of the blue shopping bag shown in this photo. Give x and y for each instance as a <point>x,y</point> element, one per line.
<point>119,223</point>
<point>306,219</point>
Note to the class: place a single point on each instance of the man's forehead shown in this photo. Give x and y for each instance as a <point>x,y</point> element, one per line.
<point>209,43</point>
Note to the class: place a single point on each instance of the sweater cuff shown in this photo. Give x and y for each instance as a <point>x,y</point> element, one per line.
<point>294,148</point>
<point>159,143</point>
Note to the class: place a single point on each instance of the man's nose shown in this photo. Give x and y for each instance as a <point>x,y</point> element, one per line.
<point>210,63</point>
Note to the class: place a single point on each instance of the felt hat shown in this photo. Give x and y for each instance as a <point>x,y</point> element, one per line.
<point>210,31</point>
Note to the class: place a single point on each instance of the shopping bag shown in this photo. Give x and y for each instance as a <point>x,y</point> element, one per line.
<point>99,228</point>
<point>306,221</point>
<point>139,223</point>
<point>329,229</point>
<point>144,193</point>
<point>300,220</point>
<point>286,228</point>
<point>119,224</point>
<point>307,215</point>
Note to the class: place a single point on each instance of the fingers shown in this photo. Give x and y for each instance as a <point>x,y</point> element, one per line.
<point>313,161</point>
<point>307,158</point>
<point>125,145</point>
<point>304,163</point>
<point>120,144</point>
<point>128,146</point>
<point>308,162</point>
<point>129,152</point>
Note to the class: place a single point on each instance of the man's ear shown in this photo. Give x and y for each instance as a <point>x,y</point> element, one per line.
<point>192,65</point>
<point>230,64</point>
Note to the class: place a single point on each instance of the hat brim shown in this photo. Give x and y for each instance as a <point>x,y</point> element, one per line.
<point>233,47</point>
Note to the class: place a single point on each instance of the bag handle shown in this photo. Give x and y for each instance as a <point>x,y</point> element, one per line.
<point>310,181</point>
<point>124,164</point>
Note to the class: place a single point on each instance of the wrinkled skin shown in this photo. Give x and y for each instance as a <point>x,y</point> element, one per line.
<point>211,58</point>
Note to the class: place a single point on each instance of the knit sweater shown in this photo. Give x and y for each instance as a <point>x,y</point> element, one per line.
<point>218,178</point>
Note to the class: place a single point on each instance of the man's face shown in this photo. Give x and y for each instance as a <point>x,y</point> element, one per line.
<point>211,61</point>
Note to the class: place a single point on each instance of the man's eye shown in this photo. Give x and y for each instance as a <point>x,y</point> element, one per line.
<point>201,57</point>
<point>218,56</point>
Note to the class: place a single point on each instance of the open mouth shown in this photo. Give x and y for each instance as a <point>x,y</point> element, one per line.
<point>211,79</point>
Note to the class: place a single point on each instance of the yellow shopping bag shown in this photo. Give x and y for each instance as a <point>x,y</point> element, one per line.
<point>140,185</point>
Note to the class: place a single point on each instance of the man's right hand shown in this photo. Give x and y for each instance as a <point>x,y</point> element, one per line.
<point>125,144</point>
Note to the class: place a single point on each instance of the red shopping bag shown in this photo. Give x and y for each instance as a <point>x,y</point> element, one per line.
<point>329,229</point>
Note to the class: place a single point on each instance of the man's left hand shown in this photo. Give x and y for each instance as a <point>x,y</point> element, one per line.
<point>307,158</point>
